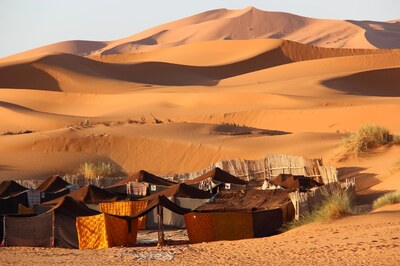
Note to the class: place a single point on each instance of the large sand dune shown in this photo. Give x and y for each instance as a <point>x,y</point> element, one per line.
<point>309,80</point>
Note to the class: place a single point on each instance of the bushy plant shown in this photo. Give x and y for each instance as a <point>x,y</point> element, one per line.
<point>365,138</point>
<point>94,170</point>
<point>387,199</point>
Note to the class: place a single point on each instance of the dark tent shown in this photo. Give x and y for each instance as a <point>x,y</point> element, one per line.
<point>183,195</point>
<point>289,181</point>
<point>52,188</point>
<point>217,179</point>
<point>10,205</point>
<point>90,195</point>
<point>55,227</point>
<point>1,229</point>
<point>141,184</point>
<point>53,184</point>
<point>242,214</point>
<point>11,188</point>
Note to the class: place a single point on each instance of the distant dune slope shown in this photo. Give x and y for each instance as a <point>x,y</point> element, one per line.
<point>72,73</point>
<point>246,24</point>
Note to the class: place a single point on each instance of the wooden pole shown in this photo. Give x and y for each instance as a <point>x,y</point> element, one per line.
<point>160,225</point>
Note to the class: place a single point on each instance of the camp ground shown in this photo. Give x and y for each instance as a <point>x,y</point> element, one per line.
<point>217,204</point>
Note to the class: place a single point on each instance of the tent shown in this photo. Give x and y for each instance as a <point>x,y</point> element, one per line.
<point>126,208</point>
<point>141,184</point>
<point>105,231</point>
<point>11,195</point>
<point>90,195</point>
<point>53,187</point>
<point>55,227</point>
<point>11,188</point>
<point>238,215</point>
<point>184,196</point>
<point>289,181</point>
<point>217,179</point>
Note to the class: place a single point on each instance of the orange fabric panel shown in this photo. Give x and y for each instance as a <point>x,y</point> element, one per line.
<point>25,210</point>
<point>126,208</point>
<point>206,227</point>
<point>199,227</point>
<point>92,233</point>
<point>118,231</point>
<point>104,231</point>
<point>232,226</point>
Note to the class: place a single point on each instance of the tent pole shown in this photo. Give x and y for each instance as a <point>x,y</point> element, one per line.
<point>4,240</point>
<point>162,225</point>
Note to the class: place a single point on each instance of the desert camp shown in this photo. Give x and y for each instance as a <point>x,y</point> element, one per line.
<point>199,132</point>
<point>215,206</point>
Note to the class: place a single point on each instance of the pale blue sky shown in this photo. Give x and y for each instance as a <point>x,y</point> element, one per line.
<point>26,24</point>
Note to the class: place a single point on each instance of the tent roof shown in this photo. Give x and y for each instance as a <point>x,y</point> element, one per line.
<point>165,202</point>
<point>183,191</point>
<point>71,207</point>
<point>10,188</point>
<point>89,194</point>
<point>53,184</point>
<point>293,181</point>
<point>247,200</point>
<point>146,177</point>
<point>218,176</point>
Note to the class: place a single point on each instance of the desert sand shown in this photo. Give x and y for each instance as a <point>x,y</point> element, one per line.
<point>370,239</point>
<point>173,98</point>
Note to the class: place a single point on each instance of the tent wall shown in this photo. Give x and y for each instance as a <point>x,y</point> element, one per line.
<point>126,208</point>
<point>206,227</point>
<point>10,205</point>
<point>265,223</point>
<point>171,219</point>
<point>35,231</point>
<point>1,228</point>
<point>65,234</point>
<point>104,231</point>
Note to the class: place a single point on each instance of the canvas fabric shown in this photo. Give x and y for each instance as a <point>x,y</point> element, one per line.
<point>10,204</point>
<point>35,231</point>
<point>25,210</point>
<point>206,227</point>
<point>126,208</point>
<point>136,189</point>
<point>105,231</point>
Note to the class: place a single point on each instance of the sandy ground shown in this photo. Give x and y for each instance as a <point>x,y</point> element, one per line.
<point>369,239</point>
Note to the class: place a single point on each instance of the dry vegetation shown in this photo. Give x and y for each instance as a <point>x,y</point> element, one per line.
<point>387,199</point>
<point>333,207</point>
<point>96,170</point>
<point>365,138</point>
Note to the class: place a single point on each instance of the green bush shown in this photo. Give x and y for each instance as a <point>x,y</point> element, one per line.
<point>365,138</point>
<point>94,170</point>
<point>387,199</point>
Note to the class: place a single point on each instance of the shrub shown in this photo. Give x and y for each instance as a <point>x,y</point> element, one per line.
<point>94,170</point>
<point>333,207</point>
<point>396,138</point>
<point>387,199</point>
<point>365,138</point>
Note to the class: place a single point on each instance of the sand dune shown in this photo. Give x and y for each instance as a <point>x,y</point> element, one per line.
<point>201,77</point>
<point>246,24</point>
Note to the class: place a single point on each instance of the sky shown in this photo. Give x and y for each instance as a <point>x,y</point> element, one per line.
<point>27,24</point>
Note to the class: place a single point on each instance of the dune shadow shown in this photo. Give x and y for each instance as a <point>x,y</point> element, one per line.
<point>381,83</point>
<point>233,130</point>
<point>26,76</point>
<point>382,35</point>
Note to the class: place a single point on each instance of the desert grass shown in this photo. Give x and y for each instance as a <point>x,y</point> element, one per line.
<point>96,170</point>
<point>334,206</point>
<point>396,138</point>
<point>365,138</point>
<point>387,199</point>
